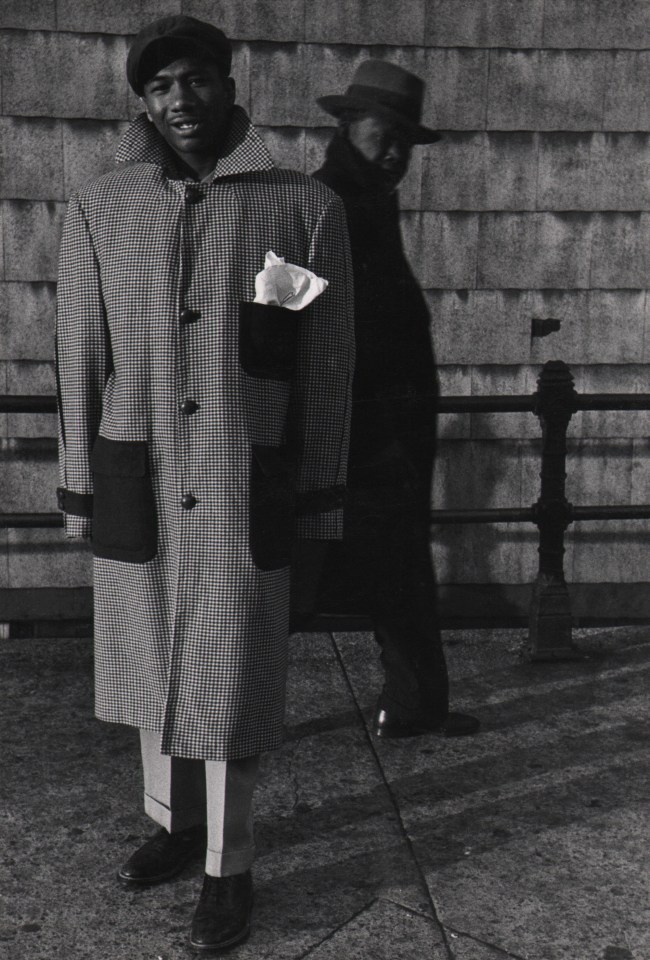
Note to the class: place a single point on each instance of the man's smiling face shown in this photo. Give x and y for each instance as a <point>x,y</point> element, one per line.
<point>189,102</point>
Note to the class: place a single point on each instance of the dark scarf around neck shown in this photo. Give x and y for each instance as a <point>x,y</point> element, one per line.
<point>344,163</point>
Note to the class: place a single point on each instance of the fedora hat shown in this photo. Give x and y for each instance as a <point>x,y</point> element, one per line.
<point>388,90</point>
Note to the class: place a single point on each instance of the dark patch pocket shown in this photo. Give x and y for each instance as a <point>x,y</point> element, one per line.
<point>271,506</point>
<point>268,340</point>
<point>124,512</point>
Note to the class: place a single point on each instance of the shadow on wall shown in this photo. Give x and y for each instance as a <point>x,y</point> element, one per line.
<point>486,558</point>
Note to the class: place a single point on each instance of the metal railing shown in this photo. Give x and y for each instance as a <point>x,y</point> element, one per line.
<point>554,403</point>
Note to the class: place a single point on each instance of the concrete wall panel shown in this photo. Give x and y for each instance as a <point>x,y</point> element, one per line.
<point>44,558</point>
<point>32,231</point>
<point>601,23</point>
<point>280,20</point>
<point>89,149</point>
<point>600,471</point>
<point>63,75</point>
<point>479,326</point>
<point>28,14</point>
<point>495,327</point>
<point>597,326</point>
<point>610,552</point>
<point>370,22</point>
<point>534,250</point>
<point>594,171</point>
<point>29,476</point>
<point>31,159</point>
<point>457,89</point>
<point>641,471</point>
<point>621,250</point>
<point>481,171</point>
<point>626,104</point>
<point>27,321</point>
<point>276,72</point>
<point>477,473</point>
<point>441,248</point>
<point>546,89</point>
<point>116,16</point>
<point>484,23</point>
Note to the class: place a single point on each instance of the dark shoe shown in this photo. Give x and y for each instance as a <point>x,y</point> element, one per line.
<point>163,856</point>
<point>223,914</point>
<point>388,723</point>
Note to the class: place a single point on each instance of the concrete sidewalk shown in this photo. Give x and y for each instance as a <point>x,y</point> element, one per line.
<point>527,841</point>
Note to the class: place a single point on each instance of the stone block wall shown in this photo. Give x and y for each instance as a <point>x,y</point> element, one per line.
<point>535,204</point>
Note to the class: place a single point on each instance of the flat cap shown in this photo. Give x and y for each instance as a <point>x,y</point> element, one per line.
<point>170,38</point>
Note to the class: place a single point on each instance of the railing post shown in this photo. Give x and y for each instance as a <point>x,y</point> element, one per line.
<point>550,609</point>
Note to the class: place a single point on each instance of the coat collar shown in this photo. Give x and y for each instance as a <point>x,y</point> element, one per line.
<point>243,150</point>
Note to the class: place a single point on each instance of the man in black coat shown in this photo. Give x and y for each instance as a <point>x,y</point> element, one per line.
<point>383,567</point>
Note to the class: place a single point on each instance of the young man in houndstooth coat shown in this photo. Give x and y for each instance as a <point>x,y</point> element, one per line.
<point>200,432</point>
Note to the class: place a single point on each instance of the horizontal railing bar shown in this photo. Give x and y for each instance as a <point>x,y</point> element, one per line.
<point>27,403</point>
<point>493,515</point>
<point>613,401</point>
<point>633,512</point>
<point>496,515</point>
<point>515,403</point>
<point>21,520</point>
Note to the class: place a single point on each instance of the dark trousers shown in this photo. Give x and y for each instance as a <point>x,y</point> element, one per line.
<point>382,569</point>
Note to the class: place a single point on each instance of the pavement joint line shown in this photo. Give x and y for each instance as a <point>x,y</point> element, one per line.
<point>486,943</point>
<point>340,926</point>
<point>407,909</point>
<point>393,800</point>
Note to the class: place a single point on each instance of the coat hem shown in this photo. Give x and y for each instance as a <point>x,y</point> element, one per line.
<point>242,751</point>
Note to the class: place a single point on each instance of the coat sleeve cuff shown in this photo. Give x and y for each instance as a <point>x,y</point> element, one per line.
<point>77,513</point>
<point>79,504</point>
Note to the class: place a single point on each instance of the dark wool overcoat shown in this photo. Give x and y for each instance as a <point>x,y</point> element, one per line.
<point>393,436</point>
<point>199,432</point>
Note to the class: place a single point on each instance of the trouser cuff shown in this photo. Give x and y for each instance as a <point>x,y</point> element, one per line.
<point>224,864</point>
<point>173,821</point>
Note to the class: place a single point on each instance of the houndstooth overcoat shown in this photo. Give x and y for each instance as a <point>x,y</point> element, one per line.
<point>199,432</point>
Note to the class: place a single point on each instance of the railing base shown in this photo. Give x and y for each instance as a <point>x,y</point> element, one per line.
<point>549,634</point>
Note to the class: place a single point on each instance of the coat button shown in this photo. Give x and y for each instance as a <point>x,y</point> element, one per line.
<point>188,502</point>
<point>188,407</point>
<point>193,194</point>
<point>189,316</point>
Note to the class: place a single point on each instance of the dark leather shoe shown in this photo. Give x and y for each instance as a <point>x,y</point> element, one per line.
<point>163,856</point>
<point>388,723</point>
<point>223,914</point>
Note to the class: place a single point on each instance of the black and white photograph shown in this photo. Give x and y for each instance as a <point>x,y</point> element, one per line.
<point>325,479</point>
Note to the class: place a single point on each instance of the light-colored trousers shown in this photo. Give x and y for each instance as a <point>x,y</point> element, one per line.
<point>181,793</point>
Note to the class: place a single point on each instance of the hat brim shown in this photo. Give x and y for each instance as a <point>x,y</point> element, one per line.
<point>337,104</point>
